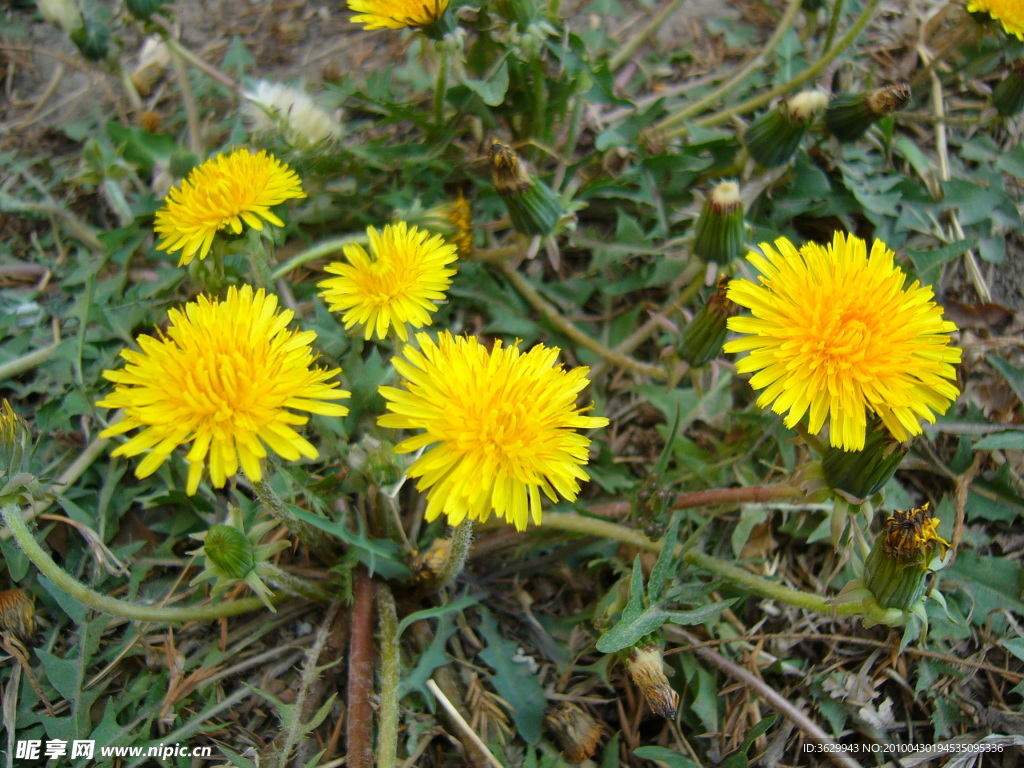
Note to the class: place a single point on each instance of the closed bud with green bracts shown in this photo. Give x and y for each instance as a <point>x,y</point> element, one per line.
<point>895,570</point>
<point>719,233</point>
<point>92,40</point>
<point>702,339</point>
<point>773,138</point>
<point>849,115</point>
<point>861,474</point>
<point>1008,96</point>
<point>15,438</point>
<point>533,208</point>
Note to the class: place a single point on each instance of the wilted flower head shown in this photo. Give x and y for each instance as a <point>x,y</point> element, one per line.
<point>14,439</point>
<point>1010,13</point>
<point>275,109</point>
<point>836,334</point>
<point>500,426</point>
<point>223,193</point>
<point>397,14</point>
<point>226,378</point>
<point>398,282</point>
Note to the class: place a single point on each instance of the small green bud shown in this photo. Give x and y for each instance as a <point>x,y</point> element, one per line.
<point>92,40</point>
<point>719,232</point>
<point>532,206</point>
<point>1008,96</point>
<point>143,9</point>
<point>702,339</point>
<point>895,570</point>
<point>229,551</point>
<point>774,136</point>
<point>181,163</point>
<point>383,465</point>
<point>15,437</point>
<point>849,115</point>
<point>861,474</point>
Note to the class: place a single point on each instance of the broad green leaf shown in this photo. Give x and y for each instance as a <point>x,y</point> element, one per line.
<point>666,756</point>
<point>491,89</point>
<point>994,583</point>
<point>1014,376</point>
<point>514,680</point>
<point>1001,441</point>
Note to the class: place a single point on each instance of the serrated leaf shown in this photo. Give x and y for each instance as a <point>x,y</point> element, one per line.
<point>665,566</point>
<point>514,681</point>
<point>993,582</point>
<point>456,606</point>
<point>433,657</point>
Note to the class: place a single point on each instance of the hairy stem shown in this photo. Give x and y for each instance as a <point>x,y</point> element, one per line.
<point>109,605</point>
<point>387,726</point>
<point>462,542</point>
<point>748,494</point>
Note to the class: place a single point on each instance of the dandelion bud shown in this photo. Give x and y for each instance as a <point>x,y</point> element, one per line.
<point>719,231</point>
<point>64,14</point>
<point>1008,96</point>
<point>532,206</point>
<point>452,219</point>
<point>92,40</point>
<point>143,9</point>
<point>863,473</point>
<point>774,136</point>
<point>14,440</point>
<point>154,59</point>
<point>702,339</point>
<point>647,671</point>
<point>576,732</point>
<point>899,561</point>
<point>233,555</point>
<point>17,613</point>
<point>383,466</point>
<point>850,114</point>
<point>427,564</point>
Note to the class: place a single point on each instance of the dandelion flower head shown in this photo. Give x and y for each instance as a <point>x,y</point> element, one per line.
<point>396,14</point>
<point>499,425</point>
<point>398,282</point>
<point>226,379</point>
<point>836,333</point>
<point>223,193</point>
<point>1010,13</point>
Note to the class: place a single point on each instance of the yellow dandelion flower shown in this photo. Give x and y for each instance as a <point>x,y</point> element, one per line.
<point>501,426</point>
<point>223,379</point>
<point>1010,13</point>
<point>835,333</point>
<point>224,192</point>
<point>397,283</point>
<point>396,14</point>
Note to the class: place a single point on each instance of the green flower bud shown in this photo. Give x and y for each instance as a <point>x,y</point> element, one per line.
<point>143,9</point>
<point>181,163</point>
<point>92,40</point>
<point>895,570</point>
<point>719,232</point>
<point>1008,96</point>
<point>14,440</point>
<point>229,551</point>
<point>849,115</point>
<point>774,136</point>
<point>532,206</point>
<point>383,465</point>
<point>861,474</point>
<point>702,339</point>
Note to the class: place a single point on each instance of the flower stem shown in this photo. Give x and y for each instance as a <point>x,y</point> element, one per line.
<point>27,362</point>
<point>552,315</point>
<point>295,585</point>
<point>744,578</point>
<point>808,74</point>
<point>387,725</point>
<point>109,605</point>
<point>441,88</point>
<point>318,251</point>
<point>312,537</point>
<point>729,84</point>
<point>462,540</point>
<point>626,51</point>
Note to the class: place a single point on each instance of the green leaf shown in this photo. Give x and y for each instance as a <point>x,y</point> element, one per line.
<point>433,657</point>
<point>441,610</point>
<point>1001,441</point>
<point>929,263</point>
<point>993,582</point>
<point>666,756</point>
<point>514,680</point>
<point>1014,376</point>
<point>491,89</point>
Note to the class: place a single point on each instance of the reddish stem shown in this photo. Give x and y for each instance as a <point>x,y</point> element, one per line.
<point>360,675</point>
